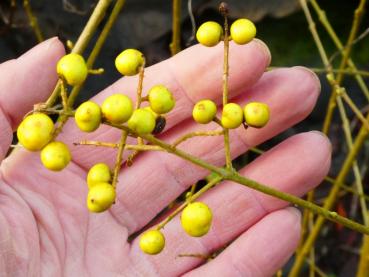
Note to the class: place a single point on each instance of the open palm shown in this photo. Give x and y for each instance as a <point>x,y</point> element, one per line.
<point>46,229</point>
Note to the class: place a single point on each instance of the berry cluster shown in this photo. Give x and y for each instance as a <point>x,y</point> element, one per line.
<point>37,131</point>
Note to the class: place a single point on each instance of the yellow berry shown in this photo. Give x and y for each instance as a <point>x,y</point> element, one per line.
<point>88,116</point>
<point>161,99</point>
<point>35,131</point>
<point>209,33</point>
<point>152,242</point>
<point>232,116</point>
<point>256,114</point>
<point>55,156</point>
<point>204,111</point>
<point>99,173</point>
<point>151,111</point>
<point>100,197</point>
<point>196,219</point>
<point>129,62</point>
<point>142,122</point>
<point>242,31</point>
<point>72,68</point>
<point>117,108</point>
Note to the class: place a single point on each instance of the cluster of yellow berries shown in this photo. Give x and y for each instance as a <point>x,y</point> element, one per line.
<point>254,114</point>
<point>210,33</point>
<point>36,132</point>
<point>196,220</point>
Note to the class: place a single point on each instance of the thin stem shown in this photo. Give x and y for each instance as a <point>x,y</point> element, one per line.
<point>225,85</point>
<point>197,134</point>
<point>347,71</point>
<point>175,45</point>
<point>118,161</point>
<point>33,21</point>
<point>116,145</point>
<point>64,96</point>
<point>354,108</point>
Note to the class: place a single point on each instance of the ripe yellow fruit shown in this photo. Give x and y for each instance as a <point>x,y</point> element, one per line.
<point>100,197</point>
<point>35,131</point>
<point>117,108</point>
<point>72,68</point>
<point>242,31</point>
<point>152,242</point>
<point>55,156</point>
<point>196,219</point>
<point>256,114</point>
<point>142,121</point>
<point>99,173</point>
<point>88,116</point>
<point>161,99</point>
<point>129,62</point>
<point>204,111</point>
<point>232,116</point>
<point>209,33</point>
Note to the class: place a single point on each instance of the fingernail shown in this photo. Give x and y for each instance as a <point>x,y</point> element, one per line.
<point>50,42</point>
<point>324,136</point>
<point>265,49</point>
<point>312,73</point>
<point>44,46</point>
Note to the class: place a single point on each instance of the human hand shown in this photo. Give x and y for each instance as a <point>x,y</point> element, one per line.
<point>46,229</point>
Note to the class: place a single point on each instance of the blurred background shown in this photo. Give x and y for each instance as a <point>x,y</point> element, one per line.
<point>146,25</point>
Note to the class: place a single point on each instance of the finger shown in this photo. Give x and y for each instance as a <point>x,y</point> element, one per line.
<point>24,82</point>
<point>193,74</point>
<point>236,208</point>
<point>156,179</point>
<point>261,250</point>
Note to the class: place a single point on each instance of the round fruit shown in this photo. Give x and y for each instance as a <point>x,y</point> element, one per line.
<point>151,111</point>
<point>72,68</point>
<point>117,108</point>
<point>196,219</point>
<point>204,111</point>
<point>152,242</point>
<point>99,173</point>
<point>35,131</point>
<point>161,99</point>
<point>142,122</point>
<point>55,156</point>
<point>129,62</point>
<point>243,31</point>
<point>88,116</point>
<point>256,114</point>
<point>100,197</point>
<point>232,116</point>
<point>209,33</point>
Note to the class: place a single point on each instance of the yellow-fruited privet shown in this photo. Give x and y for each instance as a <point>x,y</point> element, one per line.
<point>99,173</point>
<point>232,116</point>
<point>152,242</point>
<point>129,62</point>
<point>204,111</point>
<point>35,131</point>
<point>55,156</point>
<point>100,197</point>
<point>242,31</point>
<point>88,116</point>
<point>209,33</point>
<point>72,69</point>
<point>196,219</point>
<point>161,99</point>
<point>256,114</point>
<point>142,121</point>
<point>117,108</point>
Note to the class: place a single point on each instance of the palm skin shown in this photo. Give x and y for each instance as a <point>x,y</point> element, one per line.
<point>46,229</point>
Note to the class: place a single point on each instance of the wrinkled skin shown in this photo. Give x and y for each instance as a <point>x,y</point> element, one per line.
<point>46,229</point>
